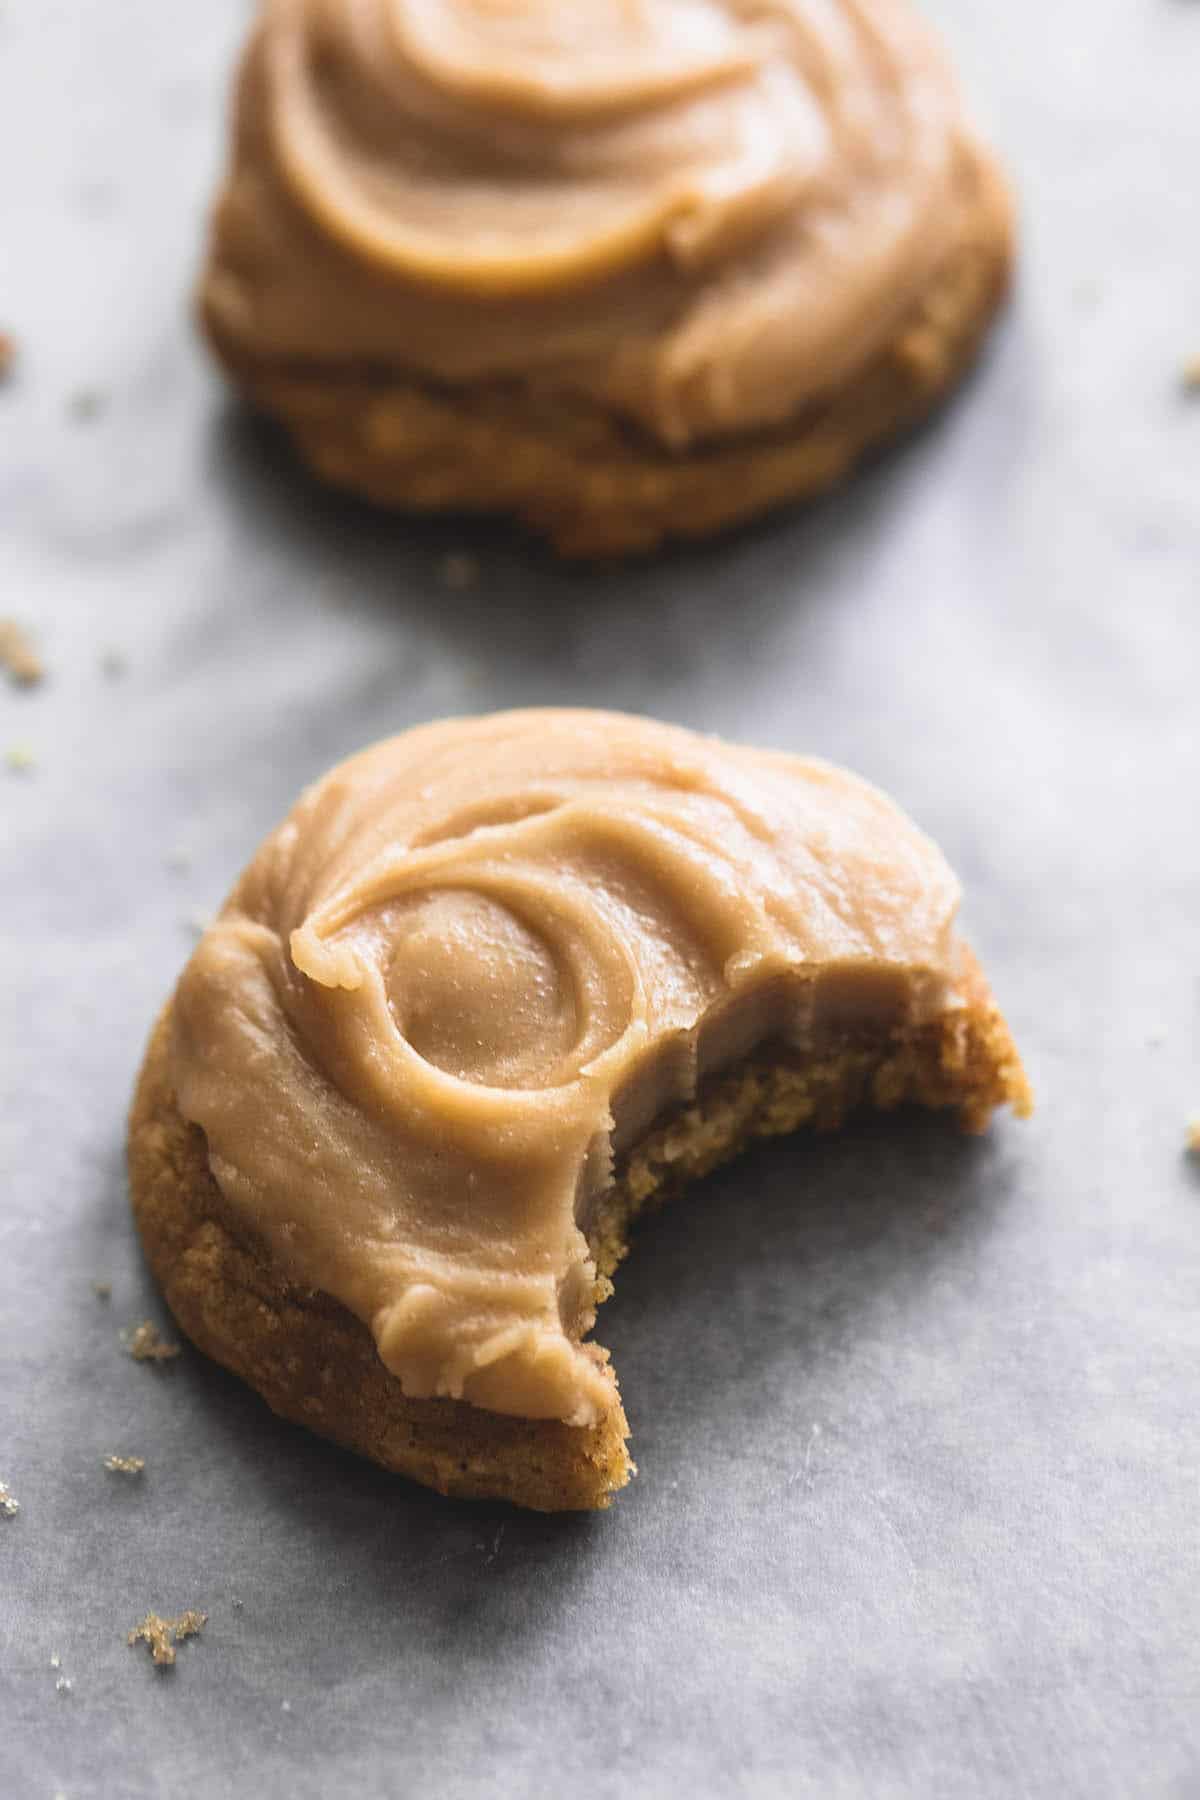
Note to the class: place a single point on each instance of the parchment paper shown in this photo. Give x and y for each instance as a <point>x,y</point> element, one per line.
<point>916,1416</point>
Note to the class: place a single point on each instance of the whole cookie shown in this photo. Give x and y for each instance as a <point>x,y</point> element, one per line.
<point>625,273</point>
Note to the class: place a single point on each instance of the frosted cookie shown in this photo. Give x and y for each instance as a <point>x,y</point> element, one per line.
<point>623,270</point>
<point>490,988</point>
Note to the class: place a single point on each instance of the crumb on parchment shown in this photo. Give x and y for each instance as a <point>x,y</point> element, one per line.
<point>125,1465</point>
<point>8,353</point>
<point>1193,1134</point>
<point>10,1506</point>
<point>20,759</point>
<point>1189,374</point>
<point>102,1290</point>
<point>145,1343</point>
<point>162,1635</point>
<point>458,570</point>
<point>18,655</point>
<point>86,404</point>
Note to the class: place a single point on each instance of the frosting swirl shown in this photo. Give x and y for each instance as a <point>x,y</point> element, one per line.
<point>475,962</point>
<point>700,213</point>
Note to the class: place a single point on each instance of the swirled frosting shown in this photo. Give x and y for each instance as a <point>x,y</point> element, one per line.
<point>699,213</point>
<point>471,967</point>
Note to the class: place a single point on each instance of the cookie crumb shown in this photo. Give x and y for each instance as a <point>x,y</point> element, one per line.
<point>113,663</point>
<point>18,654</point>
<point>63,1685</point>
<point>55,1660</point>
<point>1189,375</point>
<point>237,1604</point>
<point>1193,1134</point>
<point>8,353</point>
<point>125,1465</point>
<point>20,759</point>
<point>285,1706</point>
<point>458,570</point>
<point>145,1343</point>
<point>10,1506</point>
<point>162,1635</point>
<point>102,1290</point>
<point>86,404</point>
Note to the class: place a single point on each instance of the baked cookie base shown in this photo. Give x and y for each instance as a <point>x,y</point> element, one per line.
<point>588,481</point>
<point>315,1363</point>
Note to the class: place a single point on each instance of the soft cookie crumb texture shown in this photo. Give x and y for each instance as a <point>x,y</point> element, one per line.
<point>18,655</point>
<point>161,1635</point>
<point>145,1343</point>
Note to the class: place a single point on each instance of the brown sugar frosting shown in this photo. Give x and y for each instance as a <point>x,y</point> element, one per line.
<point>699,214</point>
<point>473,965</point>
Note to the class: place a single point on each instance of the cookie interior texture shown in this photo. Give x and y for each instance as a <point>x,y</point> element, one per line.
<point>317,1364</point>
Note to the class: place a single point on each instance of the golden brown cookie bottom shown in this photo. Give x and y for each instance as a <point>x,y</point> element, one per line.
<point>317,1364</point>
<point>589,482</point>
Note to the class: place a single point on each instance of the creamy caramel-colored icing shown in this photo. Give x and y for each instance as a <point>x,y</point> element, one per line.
<point>699,213</point>
<point>471,967</point>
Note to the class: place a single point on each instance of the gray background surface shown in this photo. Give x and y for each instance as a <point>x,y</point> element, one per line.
<point>916,1417</point>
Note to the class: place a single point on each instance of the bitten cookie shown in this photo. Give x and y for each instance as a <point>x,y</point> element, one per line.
<point>623,272</point>
<point>492,987</point>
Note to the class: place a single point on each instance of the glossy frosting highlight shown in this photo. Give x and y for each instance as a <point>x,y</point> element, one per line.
<point>472,966</point>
